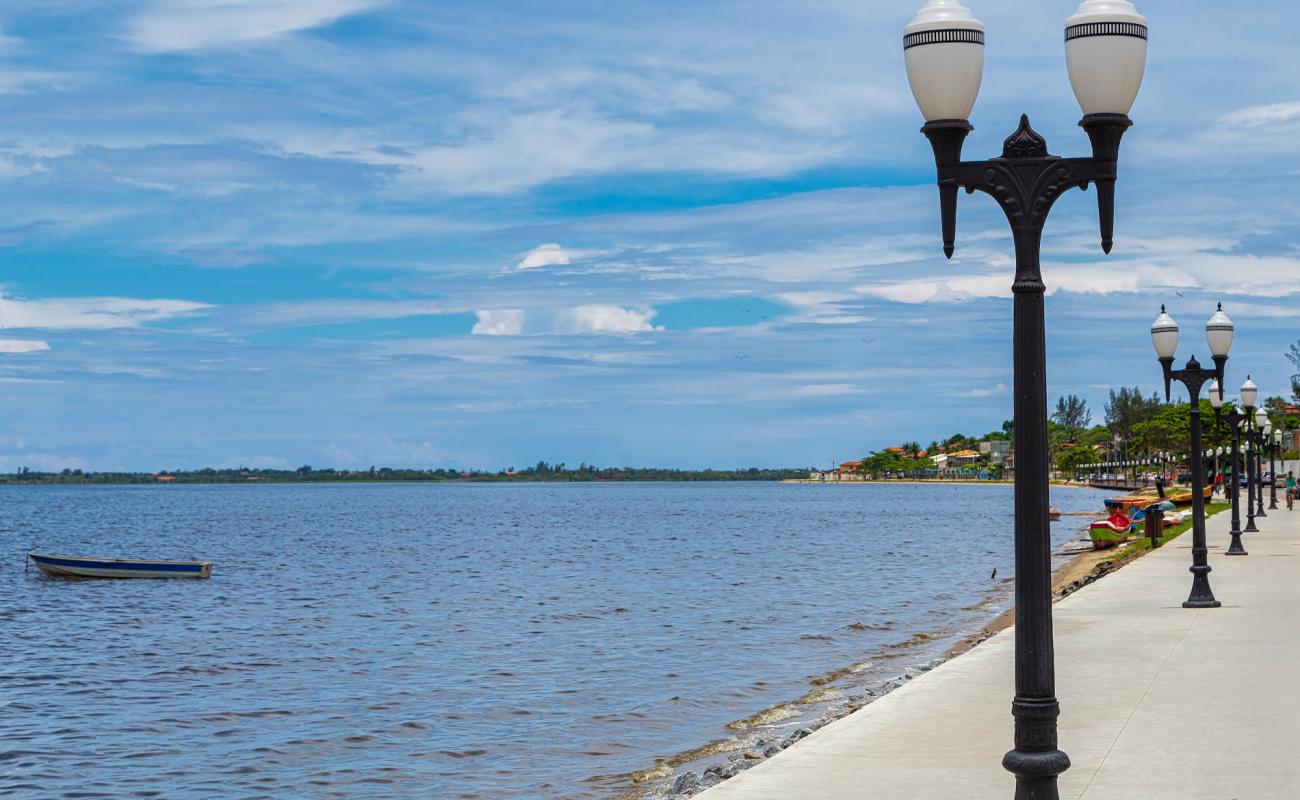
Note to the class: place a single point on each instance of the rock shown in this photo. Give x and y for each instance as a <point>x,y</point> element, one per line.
<point>685,782</point>
<point>741,766</point>
<point>794,737</point>
<point>913,672</point>
<point>753,755</point>
<point>771,750</point>
<point>710,780</point>
<point>716,769</point>
<point>734,757</point>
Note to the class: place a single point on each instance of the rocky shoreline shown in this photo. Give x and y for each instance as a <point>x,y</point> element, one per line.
<point>690,783</point>
<point>1073,574</point>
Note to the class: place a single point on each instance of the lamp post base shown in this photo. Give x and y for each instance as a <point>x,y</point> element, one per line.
<point>1235,549</point>
<point>1036,772</point>
<point>1250,527</point>
<point>1201,596</point>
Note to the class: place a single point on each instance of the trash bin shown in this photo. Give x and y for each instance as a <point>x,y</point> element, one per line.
<point>1155,522</point>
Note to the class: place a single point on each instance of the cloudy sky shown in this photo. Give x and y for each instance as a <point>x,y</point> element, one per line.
<point>480,234</point>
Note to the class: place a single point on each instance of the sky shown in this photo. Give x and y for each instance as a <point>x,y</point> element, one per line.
<point>345,233</point>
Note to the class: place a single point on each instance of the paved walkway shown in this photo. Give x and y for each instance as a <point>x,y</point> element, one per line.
<point>1157,701</point>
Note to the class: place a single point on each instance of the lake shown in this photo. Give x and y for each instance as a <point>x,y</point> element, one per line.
<point>503,641</point>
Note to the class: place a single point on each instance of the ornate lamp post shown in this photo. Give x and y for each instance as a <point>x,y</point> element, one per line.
<point>1106,45</point>
<point>1249,393</point>
<point>1218,334</point>
<point>1272,469</point>
<point>1262,430</point>
<point>1234,418</point>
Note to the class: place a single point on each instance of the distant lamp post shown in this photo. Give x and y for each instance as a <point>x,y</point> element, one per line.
<point>1234,419</point>
<point>1262,430</point>
<point>1105,48</point>
<point>1218,335</point>
<point>1249,394</point>
<point>1272,469</point>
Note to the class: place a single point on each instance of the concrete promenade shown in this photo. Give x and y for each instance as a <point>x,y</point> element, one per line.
<point>1157,701</point>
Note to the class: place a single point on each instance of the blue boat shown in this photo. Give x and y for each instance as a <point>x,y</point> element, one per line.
<point>57,566</point>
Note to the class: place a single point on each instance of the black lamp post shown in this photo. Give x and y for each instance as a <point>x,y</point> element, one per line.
<point>1272,468</point>
<point>1106,44</point>
<point>1218,334</point>
<point>1262,430</point>
<point>1249,393</point>
<point>1235,419</point>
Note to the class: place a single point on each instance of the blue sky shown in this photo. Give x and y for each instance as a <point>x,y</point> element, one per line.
<point>355,232</point>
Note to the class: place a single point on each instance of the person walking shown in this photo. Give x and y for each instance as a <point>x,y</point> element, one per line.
<point>1290,488</point>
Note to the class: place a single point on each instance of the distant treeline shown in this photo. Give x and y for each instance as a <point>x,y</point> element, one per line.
<point>542,471</point>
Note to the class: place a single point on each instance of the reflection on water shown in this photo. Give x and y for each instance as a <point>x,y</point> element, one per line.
<point>489,641</point>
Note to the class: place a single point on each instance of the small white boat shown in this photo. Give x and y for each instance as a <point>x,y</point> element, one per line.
<point>57,566</point>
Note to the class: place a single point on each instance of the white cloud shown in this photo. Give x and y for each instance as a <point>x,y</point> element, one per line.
<point>499,322</point>
<point>22,346</point>
<point>999,390</point>
<point>544,255</point>
<point>564,321</point>
<point>1257,116</point>
<point>177,25</point>
<point>604,319</point>
<point>90,313</point>
<point>826,390</point>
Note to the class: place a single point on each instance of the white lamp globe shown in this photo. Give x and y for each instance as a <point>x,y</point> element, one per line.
<point>1164,334</point>
<point>943,47</point>
<point>1216,394</point>
<point>1106,54</point>
<point>1249,391</point>
<point>1261,418</point>
<point>1218,333</point>
<point>1277,437</point>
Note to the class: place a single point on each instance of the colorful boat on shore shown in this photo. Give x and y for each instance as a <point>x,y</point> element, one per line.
<point>1181,497</point>
<point>56,566</point>
<point>1110,531</point>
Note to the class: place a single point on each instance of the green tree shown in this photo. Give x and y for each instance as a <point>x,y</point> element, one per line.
<point>1127,407</point>
<point>1293,355</point>
<point>1072,415</point>
<point>1072,458</point>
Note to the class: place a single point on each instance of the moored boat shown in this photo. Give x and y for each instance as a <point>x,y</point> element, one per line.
<point>1110,531</point>
<point>59,566</point>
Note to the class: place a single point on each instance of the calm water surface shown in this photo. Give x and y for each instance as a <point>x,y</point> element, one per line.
<point>466,641</point>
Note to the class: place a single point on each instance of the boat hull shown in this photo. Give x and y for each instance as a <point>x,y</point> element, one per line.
<point>1104,534</point>
<point>56,566</point>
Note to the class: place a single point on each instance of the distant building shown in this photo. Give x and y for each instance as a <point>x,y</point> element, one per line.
<point>963,458</point>
<point>997,450</point>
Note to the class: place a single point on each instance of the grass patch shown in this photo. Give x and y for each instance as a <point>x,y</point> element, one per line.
<point>1171,532</point>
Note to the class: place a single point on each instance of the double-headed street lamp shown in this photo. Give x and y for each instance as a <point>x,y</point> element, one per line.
<point>1259,440</point>
<point>1272,469</point>
<point>1218,335</point>
<point>1105,48</point>
<point>1263,445</point>
<point>1235,420</point>
<point>1249,394</point>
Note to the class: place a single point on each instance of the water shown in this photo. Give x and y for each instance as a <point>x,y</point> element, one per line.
<point>467,641</point>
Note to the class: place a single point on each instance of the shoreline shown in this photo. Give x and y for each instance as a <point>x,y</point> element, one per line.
<point>934,482</point>
<point>1074,572</point>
